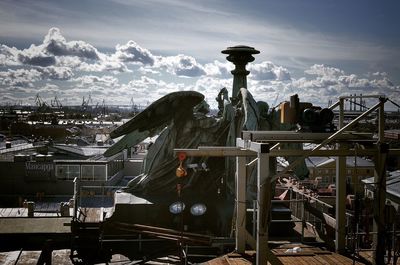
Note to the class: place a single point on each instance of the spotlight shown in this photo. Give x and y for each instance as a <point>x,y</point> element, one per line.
<point>176,207</point>
<point>198,209</point>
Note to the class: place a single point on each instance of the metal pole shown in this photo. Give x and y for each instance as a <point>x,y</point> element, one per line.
<point>380,190</point>
<point>254,218</point>
<point>303,222</point>
<point>240,204</point>
<point>263,185</point>
<point>76,198</point>
<point>381,120</point>
<point>340,233</point>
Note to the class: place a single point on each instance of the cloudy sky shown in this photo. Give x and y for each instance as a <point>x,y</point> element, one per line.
<point>127,50</point>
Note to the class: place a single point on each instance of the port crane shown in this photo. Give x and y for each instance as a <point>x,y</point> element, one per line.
<point>55,103</point>
<point>85,103</point>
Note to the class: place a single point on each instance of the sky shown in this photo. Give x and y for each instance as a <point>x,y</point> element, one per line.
<point>127,51</point>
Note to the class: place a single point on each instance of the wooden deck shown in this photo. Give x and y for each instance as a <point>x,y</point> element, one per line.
<point>95,215</point>
<point>58,257</point>
<point>307,255</point>
<point>90,214</point>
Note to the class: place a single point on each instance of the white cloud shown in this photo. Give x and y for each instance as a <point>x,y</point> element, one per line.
<point>380,74</point>
<point>35,55</point>
<point>210,86</point>
<point>48,90</point>
<point>103,65</point>
<point>27,77</point>
<point>180,65</point>
<point>155,75</point>
<point>322,70</point>
<point>218,68</point>
<point>89,80</point>
<point>57,51</point>
<point>330,82</point>
<point>147,70</point>
<point>54,49</point>
<point>268,71</point>
<point>8,56</point>
<point>69,61</point>
<point>145,90</point>
<point>19,77</point>
<point>56,73</point>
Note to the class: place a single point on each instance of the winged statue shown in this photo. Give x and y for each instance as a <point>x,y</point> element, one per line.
<point>182,120</point>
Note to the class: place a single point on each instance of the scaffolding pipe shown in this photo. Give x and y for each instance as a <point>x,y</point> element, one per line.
<point>330,138</point>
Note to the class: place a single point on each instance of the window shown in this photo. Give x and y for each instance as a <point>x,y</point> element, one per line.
<point>87,173</point>
<point>94,172</point>
<point>99,173</point>
<point>67,172</point>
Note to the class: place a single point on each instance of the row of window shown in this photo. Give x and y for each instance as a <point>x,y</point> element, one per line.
<point>84,172</point>
<point>326,180</point>
<point>349,171</point>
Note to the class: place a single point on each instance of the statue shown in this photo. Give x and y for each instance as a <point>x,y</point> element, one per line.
<point>181,120</point>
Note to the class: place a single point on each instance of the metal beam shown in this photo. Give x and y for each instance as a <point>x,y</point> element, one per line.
<point>330,138</point>
<point>337,134</point>
<point>334,105</point>
<point>363,96</point>
<point>215,151</point>
<point>307,137</point>
<point>220,152</point>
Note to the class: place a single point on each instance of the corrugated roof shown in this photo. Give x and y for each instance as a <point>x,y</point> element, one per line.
<point>86,151</point>
<point>351,161</point>
<point>392,183</point>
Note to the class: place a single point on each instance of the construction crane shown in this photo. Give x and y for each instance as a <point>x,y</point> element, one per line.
<point>39,101</point>
<point>104,108</point>
<point>55,103</point>
<point>41,104</point>
<point>85,103</point>
<point>134,107</point>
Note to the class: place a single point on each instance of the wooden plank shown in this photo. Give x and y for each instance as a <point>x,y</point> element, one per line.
<point>320,260</point>
<point>286,260</point>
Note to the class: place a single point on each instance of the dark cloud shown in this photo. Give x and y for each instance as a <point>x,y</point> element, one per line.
<point>37,60</point>
<point>133,53</point>
<point>54,43</point>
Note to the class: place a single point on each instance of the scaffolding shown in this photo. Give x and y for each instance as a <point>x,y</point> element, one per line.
<point>266,145</point>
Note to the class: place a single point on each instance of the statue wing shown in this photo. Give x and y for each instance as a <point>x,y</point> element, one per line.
<point>153,119</point>
<point>128,140</point>
<point>251,112</point>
